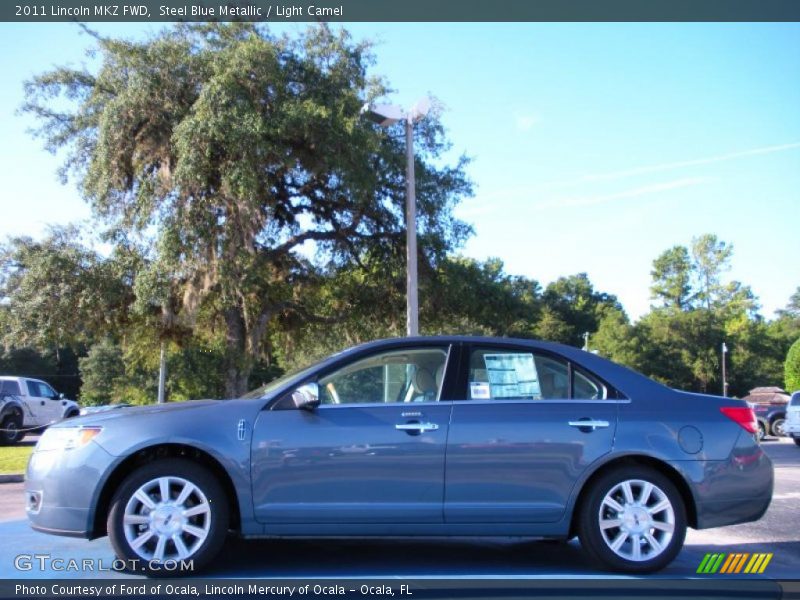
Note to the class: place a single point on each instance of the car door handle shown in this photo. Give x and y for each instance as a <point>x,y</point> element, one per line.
<point>419,427</point>
<point>588,424</point>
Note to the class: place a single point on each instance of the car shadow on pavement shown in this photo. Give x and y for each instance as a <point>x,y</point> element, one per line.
<point>337,558</point>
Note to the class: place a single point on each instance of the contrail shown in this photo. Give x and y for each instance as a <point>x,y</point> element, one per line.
<point>687,163</point>
<point>632,193</point>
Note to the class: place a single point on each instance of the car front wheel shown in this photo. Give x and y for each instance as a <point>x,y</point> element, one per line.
<point>167,514</point>
<point>632,520</point>
<point>796,441</point>
<point>778,427</point>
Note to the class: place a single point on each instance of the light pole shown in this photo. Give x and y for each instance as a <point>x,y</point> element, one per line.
<point>724,377</point>
<point>386,115</point>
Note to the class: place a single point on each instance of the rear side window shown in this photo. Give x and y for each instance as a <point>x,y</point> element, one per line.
<point>500,374</point>
<point>795,401</point>
<point>584,387</point>
<point>9,387</point>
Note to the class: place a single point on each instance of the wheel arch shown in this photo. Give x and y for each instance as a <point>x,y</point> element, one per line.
<point>12,409</point>
<point>643,461</point>
<point>149,454</point>
<point>775,416</point>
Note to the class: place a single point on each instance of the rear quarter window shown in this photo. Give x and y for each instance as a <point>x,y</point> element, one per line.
<point>9,387</point>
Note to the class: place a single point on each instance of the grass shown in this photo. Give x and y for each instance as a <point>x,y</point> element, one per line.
<point>14,459</point>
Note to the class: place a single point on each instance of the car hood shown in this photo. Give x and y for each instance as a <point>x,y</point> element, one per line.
<point>136,411</point>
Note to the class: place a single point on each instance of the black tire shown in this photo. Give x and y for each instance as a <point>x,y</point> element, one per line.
<point>10,430</point>
<point>594,541</point>
<point>762,431</point>
<point>72,414</point>
<point>177,469</point>
<point>796,441</point>
<point>777,427</point>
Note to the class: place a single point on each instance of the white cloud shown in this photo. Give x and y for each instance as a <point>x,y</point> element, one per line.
<point>526,122</point>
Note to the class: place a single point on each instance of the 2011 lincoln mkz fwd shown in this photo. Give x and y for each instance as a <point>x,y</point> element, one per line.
<point>417,437</point>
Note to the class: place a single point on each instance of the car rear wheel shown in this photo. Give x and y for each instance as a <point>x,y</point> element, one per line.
<point>796,441</point>
<point>778,427</point>
<point>632,520</point>
<point>166,512</point>
<point>762,431</point>
<point>11,430</point>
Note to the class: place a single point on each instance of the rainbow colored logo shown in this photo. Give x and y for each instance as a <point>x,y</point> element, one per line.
<point>734,563</point>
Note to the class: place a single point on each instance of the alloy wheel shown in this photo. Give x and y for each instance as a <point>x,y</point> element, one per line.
<point>637,520</point>
<point>167,518</point>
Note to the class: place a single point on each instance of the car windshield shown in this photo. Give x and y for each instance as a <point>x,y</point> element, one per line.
<point>267,388</point>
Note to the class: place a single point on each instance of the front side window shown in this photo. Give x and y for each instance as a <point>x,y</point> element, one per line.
<point>501,374</point>
<point>37,389</point>
<point>410,375</point>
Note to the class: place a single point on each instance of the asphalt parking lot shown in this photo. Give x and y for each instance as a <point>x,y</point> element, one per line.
<point>776,532</point>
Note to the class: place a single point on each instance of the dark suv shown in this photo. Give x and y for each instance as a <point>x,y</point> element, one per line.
<point>771,419</point>
<point>769,406</point>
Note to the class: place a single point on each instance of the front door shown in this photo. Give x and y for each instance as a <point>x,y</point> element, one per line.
<point>373,451</point>
<point>517,444</point>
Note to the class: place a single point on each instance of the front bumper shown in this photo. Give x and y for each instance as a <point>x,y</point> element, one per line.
<point>62,488</point>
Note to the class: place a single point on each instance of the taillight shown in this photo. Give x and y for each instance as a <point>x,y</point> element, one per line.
<point>743,416</point>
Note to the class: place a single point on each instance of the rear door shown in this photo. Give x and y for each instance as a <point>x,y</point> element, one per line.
<point>529,425</point>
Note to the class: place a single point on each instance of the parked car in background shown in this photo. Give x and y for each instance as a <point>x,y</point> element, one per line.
<point>27,404</point>
<point>769,405</point>
<point>792,427</point>
<point>420,437</point>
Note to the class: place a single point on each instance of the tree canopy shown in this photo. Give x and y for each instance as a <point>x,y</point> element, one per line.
<point>226,153</point>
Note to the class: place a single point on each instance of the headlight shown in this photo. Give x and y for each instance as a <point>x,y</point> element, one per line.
<point>66,438</point>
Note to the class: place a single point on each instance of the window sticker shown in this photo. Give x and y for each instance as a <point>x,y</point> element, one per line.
<point>479,391</point>
<point>512,376</point>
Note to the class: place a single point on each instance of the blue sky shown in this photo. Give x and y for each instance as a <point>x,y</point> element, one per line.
<point>595,146</point>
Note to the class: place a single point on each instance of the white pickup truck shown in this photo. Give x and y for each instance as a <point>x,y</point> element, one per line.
<point>27,404</point>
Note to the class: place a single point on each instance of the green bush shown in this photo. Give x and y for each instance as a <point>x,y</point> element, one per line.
<point>791,368</point>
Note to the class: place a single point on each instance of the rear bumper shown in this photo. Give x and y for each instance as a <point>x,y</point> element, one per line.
<point>736,490</point>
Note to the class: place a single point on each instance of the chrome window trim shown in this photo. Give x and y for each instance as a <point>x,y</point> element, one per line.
<point>406,405</point>
<point>531,401</point>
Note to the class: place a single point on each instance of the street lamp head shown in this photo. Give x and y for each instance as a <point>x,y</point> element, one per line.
<point>383,114</point>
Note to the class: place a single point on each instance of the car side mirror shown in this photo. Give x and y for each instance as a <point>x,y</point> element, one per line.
<point>306,396</point>
<point>61,396</point>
